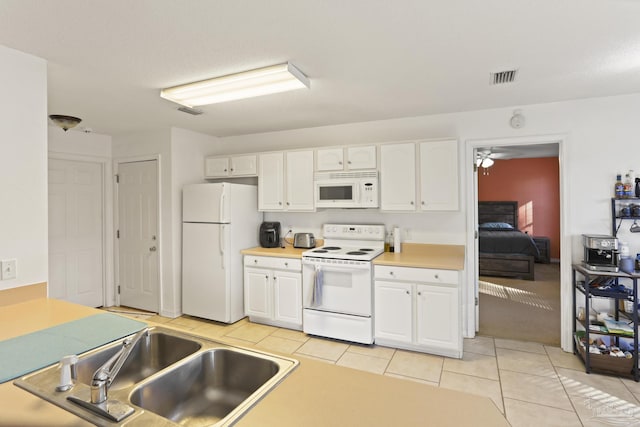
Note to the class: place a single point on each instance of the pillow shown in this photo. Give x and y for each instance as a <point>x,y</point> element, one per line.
<point>496,226</point>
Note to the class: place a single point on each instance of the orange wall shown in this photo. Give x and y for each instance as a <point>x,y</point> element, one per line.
<point>535,184</point>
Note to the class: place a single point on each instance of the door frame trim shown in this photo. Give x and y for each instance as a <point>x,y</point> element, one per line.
<point>471,262</point>
<point>108,289</point>
<point>116,221</point>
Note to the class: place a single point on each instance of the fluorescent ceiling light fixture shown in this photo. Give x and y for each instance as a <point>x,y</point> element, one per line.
<point>247,84</point>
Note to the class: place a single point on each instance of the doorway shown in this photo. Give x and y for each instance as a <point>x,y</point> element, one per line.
<point>137,237</point>
<point>523,294</point>
<point>76,223</point>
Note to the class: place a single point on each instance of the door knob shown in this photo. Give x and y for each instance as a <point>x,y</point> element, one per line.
<point>152,249</point>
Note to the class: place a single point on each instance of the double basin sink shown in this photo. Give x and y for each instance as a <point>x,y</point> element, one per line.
<point>169,378</point>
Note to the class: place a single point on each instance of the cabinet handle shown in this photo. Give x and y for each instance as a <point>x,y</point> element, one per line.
<point>287,203</point>
<point>391,273</point>
<point>231,169</point>
<point>412,202</point>
<point>280,203</point>
<point>408,293</point>
<point>266,277</point>
<point>349,162</point>
<point>225,170</point>
<point>286,264</point>
<point>437,276</point>
<point>422,203</point>
<point>419,293</point>
<point>339,163</point>
<point>255,261</point>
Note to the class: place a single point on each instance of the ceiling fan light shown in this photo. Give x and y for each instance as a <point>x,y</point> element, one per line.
<point>65,122</point>
<point>487,162</point>
<point>246,84</point>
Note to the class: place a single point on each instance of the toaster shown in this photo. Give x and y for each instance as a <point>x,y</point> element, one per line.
<point>304,240</point>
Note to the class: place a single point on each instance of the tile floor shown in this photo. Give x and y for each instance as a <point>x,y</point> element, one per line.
<point>532,384</point>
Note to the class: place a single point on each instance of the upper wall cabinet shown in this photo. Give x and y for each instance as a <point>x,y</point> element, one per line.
<point>431,184</point>
<point>439,176</point>
<point>357,157</point>
<point>225,166</point>
<point>285,181</point>
<point>398,177</point>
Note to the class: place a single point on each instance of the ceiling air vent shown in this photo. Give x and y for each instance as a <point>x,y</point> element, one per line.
<point>192,111</point>
<point>502,77</point>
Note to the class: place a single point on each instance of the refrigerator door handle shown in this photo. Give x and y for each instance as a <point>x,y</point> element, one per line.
<point>221,242</point>
<point>221,213</point>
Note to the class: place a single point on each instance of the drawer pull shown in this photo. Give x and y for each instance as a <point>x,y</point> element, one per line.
<point>286,264</point>
<point>255,261</point>
<point>408,293</point>
<point>436,276</point>
<point>391,273</point>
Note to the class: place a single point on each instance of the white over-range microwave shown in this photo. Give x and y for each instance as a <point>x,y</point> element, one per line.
<point>346,189</point>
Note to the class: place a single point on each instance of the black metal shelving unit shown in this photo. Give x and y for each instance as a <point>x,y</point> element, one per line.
<point>617,218</point>
<point>585,288</point>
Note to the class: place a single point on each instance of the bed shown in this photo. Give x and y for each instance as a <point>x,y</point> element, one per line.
<point>504,251</point>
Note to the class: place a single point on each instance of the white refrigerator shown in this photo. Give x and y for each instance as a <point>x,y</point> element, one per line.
<point>218,221</point>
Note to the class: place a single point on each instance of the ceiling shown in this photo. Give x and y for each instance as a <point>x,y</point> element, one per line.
<point>366,59</point>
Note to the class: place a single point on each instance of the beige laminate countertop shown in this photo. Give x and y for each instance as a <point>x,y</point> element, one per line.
<point>447,257</point>
<point>315,394</point>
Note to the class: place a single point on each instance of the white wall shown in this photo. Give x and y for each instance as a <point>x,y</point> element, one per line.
<point>23,166</point>
<point>188,150</point>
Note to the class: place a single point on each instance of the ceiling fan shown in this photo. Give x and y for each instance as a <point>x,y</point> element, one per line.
<point>485,156</point>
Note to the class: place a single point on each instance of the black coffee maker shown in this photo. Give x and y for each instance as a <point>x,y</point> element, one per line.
<point>270,234</point>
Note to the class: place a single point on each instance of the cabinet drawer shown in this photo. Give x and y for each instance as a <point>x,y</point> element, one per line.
<point>410,274</point>
<point>291,264</point>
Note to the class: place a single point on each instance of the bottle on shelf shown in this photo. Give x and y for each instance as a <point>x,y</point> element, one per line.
<point>387,242</point>
<point>391,242</point>
<point>637,191</point>
<point>619,187</point>
<point>628,185</point>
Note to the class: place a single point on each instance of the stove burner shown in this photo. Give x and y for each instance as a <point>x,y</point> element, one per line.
<point>320,251</point>
<point>356,253</point>
<point>331,248</point>
<point>365,249</point>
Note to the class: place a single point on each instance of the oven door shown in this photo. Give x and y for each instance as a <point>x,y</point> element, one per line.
<point>340,286</point>
<point>336,194</point>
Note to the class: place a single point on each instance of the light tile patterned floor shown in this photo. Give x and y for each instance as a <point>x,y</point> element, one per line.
<point>532,384</point>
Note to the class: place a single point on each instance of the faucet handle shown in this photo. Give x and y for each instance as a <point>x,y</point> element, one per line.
<point>67,372</point>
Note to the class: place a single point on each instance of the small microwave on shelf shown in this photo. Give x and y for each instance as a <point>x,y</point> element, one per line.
<point>346,189</point>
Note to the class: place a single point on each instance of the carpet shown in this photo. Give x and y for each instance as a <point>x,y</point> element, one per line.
<point>522,310</point>
<point>36,350</point>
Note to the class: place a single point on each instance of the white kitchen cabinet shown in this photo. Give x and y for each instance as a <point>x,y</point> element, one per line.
<point>398,177</point>
<point>273,291</point>
<point>271,182</point>
<point>439,176</point>
<point>357,157</point>
<point>418,309</point>
<point>234,166</point>
<point>299,181</point>
<point>285,181</point>
<point>393,311</point>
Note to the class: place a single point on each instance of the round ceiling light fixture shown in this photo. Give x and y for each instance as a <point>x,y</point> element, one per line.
<point>65,122</point>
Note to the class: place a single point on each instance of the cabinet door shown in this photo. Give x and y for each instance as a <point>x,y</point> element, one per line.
<point>257,292</point>
<point>299,179</point>
<point>393,311</point>
<point>438,317</point>
<point>439,176</point>
<point>287,297</point>
<point>362,157</point>
<point>216,167</point>
<point>271,182</point>
<point>397,177</point>
<point>244,165</point>
<point>330,159</point>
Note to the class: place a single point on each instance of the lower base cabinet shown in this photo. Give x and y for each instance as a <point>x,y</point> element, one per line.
<point>418,309</point>
<point>273,291</point>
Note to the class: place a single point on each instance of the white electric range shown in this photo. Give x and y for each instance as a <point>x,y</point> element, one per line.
<point>337,282</point>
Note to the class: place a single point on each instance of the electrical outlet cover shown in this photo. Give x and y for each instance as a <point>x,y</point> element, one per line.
<point>8,269</point>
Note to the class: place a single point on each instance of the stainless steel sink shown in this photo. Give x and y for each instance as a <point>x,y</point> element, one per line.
<point>172,378</point>
<point>207,388</point>
<point>149,356</point>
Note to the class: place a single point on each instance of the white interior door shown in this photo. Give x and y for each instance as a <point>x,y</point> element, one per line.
<point>138,249</point>
<point>76,271</point>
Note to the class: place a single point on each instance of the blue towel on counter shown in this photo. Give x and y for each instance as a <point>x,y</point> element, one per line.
<point>27,353</point>
<point>316,298</point>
